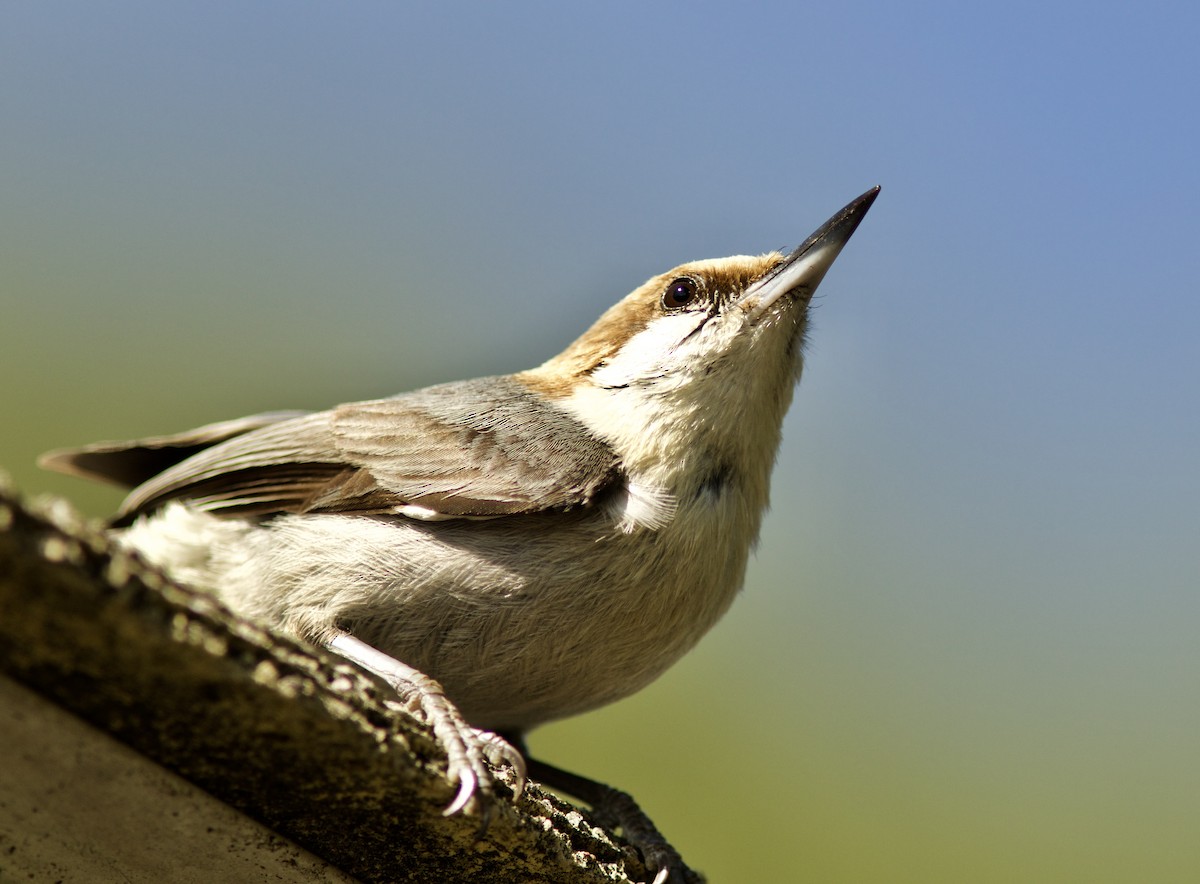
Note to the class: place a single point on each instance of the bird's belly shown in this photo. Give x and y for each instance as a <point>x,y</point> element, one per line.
<point>523,621</point>
<point>525,624</point>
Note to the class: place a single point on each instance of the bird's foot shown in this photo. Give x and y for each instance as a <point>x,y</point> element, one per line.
<point>471,754</point>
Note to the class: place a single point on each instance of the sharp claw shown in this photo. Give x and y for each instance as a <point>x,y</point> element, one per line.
<point>661,877</point>
<point>468,749</point>
<point>467,783</point>
<point>501,752</point>
<point>518,764</point>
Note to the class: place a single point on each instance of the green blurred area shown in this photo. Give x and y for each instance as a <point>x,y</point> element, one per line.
<point>967,646</point>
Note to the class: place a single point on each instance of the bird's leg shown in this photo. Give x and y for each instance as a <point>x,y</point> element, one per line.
<point>468,750</point>
<point>614,808</point>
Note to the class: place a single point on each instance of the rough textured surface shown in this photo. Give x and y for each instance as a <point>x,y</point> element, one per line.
<point>290,735</point>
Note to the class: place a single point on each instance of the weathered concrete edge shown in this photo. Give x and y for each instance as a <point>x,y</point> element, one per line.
<point>288,734</point>
<point>78,806</point>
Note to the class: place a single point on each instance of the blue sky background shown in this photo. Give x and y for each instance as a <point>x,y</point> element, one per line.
<point>967,649</point>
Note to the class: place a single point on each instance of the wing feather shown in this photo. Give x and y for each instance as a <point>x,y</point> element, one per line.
<point>481,448</point>
<point>132,463</point>
<point>269,470</point>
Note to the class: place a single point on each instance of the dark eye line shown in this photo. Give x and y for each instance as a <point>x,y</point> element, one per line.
<point>708,314</point>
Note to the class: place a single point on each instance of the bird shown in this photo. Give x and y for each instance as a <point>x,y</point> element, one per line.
<point>514,549</point>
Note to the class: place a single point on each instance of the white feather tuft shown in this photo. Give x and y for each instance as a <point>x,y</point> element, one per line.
<point>646,506</point>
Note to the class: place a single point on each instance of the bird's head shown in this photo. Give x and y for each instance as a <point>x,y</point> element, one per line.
<point>700,360</point>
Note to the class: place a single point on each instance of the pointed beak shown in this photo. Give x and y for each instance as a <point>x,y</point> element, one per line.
<point>802,271</point>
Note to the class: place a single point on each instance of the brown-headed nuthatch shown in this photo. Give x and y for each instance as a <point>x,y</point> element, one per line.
<point>540,543</point>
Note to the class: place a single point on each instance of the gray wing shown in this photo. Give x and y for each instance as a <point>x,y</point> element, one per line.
<point>486,447</point>
<point>132,463</point>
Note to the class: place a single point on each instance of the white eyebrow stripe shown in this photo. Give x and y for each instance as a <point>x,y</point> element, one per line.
<point>646,354</point>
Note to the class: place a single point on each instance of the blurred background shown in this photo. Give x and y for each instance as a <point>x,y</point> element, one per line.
<point>967,648</point>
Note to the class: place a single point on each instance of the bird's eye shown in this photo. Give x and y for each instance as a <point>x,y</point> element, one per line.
<point>679,293</point>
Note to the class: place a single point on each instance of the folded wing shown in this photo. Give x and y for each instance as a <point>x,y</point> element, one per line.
<point>479,448</point>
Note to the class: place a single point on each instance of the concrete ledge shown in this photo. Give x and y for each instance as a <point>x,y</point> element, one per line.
<point>77,806</point>
<point>289,736</point>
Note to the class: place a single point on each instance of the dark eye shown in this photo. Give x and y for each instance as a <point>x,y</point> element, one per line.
<point>679,293</point>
